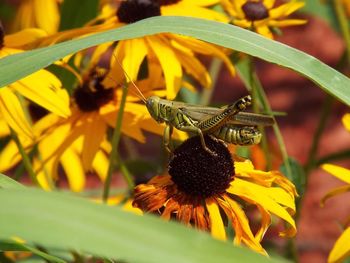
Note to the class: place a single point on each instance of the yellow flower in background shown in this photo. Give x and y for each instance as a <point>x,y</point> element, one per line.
<point>205,191</point>
<point>41,87</point>
<point>43,14</point>
<point>262,15</point>
<point>341,249</point>
<point>347,6</point>
<point>79,142</point>
<point>173,53</point>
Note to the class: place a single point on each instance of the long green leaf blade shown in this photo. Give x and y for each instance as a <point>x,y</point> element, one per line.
<point>61,221</point>
<point>19,65</point>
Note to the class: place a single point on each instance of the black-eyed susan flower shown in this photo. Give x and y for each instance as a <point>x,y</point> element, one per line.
<point>43,14</point>
<point>41,87</point>
<point>341,249</point>
<point>79,142</point>
<point>173,53</point>
<point>262,15</point>
<point>205,191</point>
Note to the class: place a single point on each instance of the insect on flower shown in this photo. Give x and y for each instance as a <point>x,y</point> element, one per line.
<point>229,123</point>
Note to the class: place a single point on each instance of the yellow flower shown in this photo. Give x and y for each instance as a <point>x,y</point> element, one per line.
<point>43,14</point>
<point>262,15</point>
<point>41,87</point>
<point>79,142</point>
<point>173,53</point>
<point>205,190</point>
<point>347,6</point>
<point>341,248</point>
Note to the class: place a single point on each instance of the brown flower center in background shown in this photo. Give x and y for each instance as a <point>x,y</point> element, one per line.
<point>131,11</point>
<point>92,94</point>
<point>168,2</point>
<point>198,173</point>
<point>255,11</point>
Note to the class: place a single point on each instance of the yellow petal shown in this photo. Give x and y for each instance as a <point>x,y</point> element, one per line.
<point>334,192</point>
<point>42,176</point>
<point>13,114</point>
<point>201,2</point>
<point>264,31</point>
<point>285,9</point>
<point>95,129</point>
<point>257,194</point>
<point>24,37</point>
<point>169,63</point>
<point>269,3</point>
<point>9,156</point>
<point>129,207</point>
<point>100,165</point>
<point>240,224</point>
<point>287,22</point>
<point>135,52</point>
<point>204,48</point>
<point>195,68</point>
<point>216,224</point>
<point>341,249</point>
<point>44,88</point>
<point>184,8</point>
<point>73,168</point>
<point>4,128</point>
<point>338,171</point>
<point>346,121</point>
<point>265,223</point>
<point>47,15</point>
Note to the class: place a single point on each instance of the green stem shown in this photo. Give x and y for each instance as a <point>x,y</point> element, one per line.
<point>333,157</point>
<point>326,109</point>
<point>344,25</point>
<point>114,158</point>
<point>214,72</point>
<point>254,84</point>
<point>277,132</point>
<point>25,158</point>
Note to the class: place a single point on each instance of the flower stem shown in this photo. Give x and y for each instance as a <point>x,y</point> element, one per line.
<point>114,157</point>
<point>326,109</point>
<point>344,25</point>
<point>214,72</point>
<point>25,158</point>
<point>254,86</point>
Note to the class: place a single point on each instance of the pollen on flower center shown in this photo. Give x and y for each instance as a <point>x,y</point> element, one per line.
<point>92,94</point>
<point>255,11</point>
<point>196,172</point>
<point>131,11</point>
<point>2,35</point>
<point>168,2</point>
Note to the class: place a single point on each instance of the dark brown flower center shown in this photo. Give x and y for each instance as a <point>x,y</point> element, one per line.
<point>199,173</point>
<point>2,35</point>
<point>92,94</point>
<point>131,11</point>
<point>168,2</point>
<point>255,10</point>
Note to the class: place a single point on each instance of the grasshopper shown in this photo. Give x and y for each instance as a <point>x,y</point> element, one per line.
<point>229,124</point>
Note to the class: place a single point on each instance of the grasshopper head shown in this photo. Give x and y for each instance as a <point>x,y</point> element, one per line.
<point>152,105</point>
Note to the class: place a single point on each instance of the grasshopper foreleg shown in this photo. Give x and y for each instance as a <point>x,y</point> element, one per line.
<point>168,131</point>
<point>188,125</point>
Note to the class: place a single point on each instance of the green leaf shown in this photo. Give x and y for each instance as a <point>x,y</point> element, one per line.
<point>61,221</point>
<point>297,175</point>
<point>8,183</point>
<point>19,65</point>
<point>6,245</point>
<point>76,13</point>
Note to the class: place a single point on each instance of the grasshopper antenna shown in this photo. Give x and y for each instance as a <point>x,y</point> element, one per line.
<point>128,77</point>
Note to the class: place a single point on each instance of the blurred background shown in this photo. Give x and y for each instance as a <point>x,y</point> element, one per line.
<point>302,101</point>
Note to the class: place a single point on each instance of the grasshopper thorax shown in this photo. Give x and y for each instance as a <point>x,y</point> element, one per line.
<point>152,104</point>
